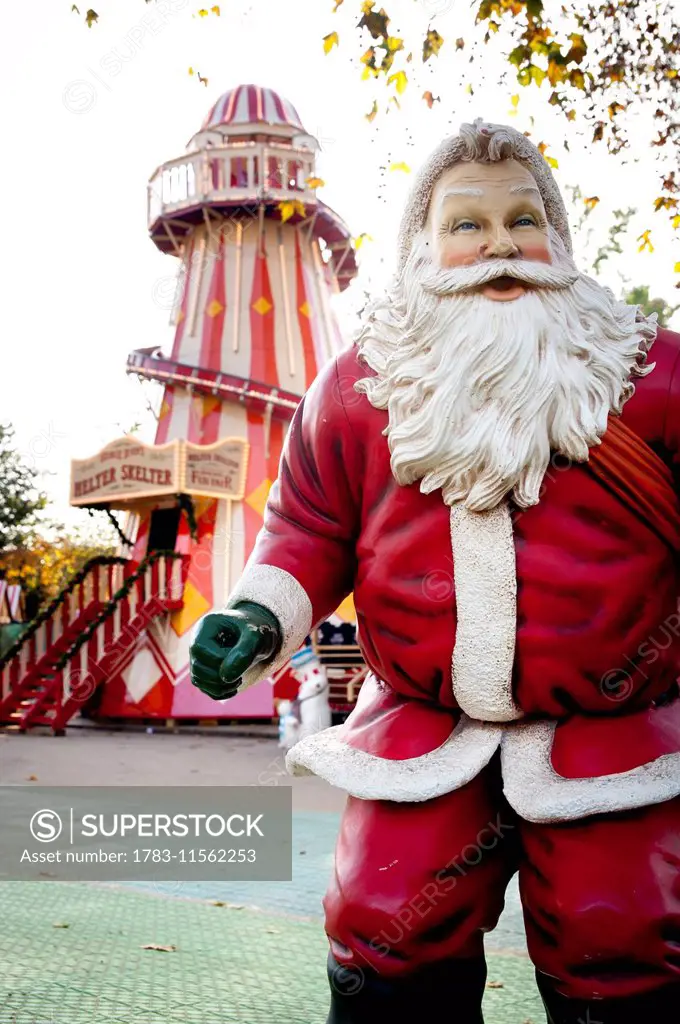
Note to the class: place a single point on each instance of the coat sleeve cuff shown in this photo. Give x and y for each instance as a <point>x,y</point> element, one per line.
<point>281,594</point>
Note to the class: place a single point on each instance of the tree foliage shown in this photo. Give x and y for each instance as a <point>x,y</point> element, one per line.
<point>44,566</point>
<point>639,296</point>
<point>21,499</point>
<point>600,64</point>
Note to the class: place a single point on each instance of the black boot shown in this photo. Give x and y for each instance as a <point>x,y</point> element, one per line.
<point>659,1007</point>
<point>450,992</point>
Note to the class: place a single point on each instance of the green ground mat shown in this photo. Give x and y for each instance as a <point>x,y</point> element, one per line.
<point>231,965</point>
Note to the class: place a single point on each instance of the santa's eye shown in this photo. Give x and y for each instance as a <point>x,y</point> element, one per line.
<point>464,225</point>
<point>525,221</point>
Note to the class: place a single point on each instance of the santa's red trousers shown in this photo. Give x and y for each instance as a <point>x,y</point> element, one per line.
<point>416,883</point>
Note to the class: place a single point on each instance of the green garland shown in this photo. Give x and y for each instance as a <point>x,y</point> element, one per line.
<point>110,605</point>
<point>187,505</point>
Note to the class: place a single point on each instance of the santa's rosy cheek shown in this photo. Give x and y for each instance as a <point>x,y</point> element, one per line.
<point>537,253</point>
<point>461,256</point>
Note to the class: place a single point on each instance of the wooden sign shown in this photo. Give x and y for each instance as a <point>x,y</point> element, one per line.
<point>125,471</point>
<point>216,470</point>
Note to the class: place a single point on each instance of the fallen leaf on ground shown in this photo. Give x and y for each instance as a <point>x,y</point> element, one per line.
<point>60,924</point>
<point>161,949</point>
<point>494,984</point>
<point>32,778</point>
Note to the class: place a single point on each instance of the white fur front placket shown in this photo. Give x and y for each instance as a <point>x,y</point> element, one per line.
<point>485,578</point>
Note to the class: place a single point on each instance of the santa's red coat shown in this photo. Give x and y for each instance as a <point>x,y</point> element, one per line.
<point>597,643</point>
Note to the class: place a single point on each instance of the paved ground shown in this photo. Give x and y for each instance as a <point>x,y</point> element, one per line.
<point>246,953</point>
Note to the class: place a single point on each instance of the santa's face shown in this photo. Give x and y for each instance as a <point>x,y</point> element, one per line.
<point>482,212</point>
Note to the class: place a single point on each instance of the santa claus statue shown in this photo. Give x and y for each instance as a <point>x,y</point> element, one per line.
<point>491,470</point>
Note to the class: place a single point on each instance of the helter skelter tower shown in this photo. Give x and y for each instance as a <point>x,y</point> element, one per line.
<point>261,258</point>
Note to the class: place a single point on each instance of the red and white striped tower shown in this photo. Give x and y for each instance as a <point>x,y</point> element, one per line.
<point>261,257</point>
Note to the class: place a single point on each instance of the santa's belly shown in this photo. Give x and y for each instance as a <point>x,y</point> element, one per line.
<point>598,628</point>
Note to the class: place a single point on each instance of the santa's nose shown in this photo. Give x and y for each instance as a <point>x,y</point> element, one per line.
<point>500,246</point>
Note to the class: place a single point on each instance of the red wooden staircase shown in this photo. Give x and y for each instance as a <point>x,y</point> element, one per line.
<point>61,659</point>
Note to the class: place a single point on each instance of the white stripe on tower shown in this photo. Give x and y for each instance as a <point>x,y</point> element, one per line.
<point>241,111</point>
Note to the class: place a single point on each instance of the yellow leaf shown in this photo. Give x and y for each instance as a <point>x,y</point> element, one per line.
<point>394,43</point>
<point>338,3</point>
<point>645,242</point>
<point>216,10</point>
<point>591,202</point>
<point>372,112</point>
<point>203,13</point>
<point>401,166</point>
<point>330,41</point>
<point>314,182</point>
<point>430,99</point>
<point>676,268</point>
<point>288,207</point>
<point>542,146</point>
<point>469,90</point>
<point>191,71</point>
<point>400,81</point>
<point>552,162</point>
<point>676,221</point>
<point>514,100</point>
<point>359,241</point>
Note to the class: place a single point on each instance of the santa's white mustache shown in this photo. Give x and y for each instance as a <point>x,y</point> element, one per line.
<point>439,281</point>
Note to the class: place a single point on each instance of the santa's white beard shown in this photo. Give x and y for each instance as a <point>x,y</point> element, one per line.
<point>481,393</point>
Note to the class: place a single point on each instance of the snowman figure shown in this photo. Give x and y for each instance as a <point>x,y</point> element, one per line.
<point>310,712</point>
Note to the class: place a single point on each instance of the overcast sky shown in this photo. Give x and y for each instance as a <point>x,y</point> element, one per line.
<point>87,116</point>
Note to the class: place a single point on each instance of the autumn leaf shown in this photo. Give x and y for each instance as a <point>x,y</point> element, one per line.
<point>552,162</point>
<point>202,13</point>
<point>191,71</point>
<point>676,268</point>
<point>676,221</point>
<point>432,44</point>
<point>514,100</point>
<point>494,984</point>
<point>665,203</point>
<point>314,182</point>
<point>375,21</point>
<point>160,949</point>
<point>360,239</point>
<point>460,44</point>
<point>430,99</point>
<point>401,166</point>
<point>216,10</point>
<point>202,80</point>
<point>330,41</point>
<point>591,202</point>
<point>469,90</point>
<point>90,17</point>
<point>370,116</point>
<point>61,924</point>
<point>599,131</point>
<point>394,43</point>
<point>74,8</point>
<point>288,207</point>
<point>338,3</point>
<point>400,80</point>
<point>645,242</point>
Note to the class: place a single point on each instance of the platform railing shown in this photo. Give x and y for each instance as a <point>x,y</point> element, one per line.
<point>231,173</point>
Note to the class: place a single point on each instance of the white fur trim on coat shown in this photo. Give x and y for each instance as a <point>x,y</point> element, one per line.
<point>535,790</point>
<point>279,592</point>
<point>456,762</point>
<point>485,577</point>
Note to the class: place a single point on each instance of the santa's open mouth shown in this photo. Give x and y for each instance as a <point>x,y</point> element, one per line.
<point>504,288</point>
<point>505,283</point>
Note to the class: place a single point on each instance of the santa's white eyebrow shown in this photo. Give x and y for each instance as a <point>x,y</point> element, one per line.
<point>525,188</point>
<point>463,192</point>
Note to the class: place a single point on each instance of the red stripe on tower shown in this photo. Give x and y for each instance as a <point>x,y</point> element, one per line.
<point>214,312</point>
<point>262,333</point>
<point>182,315</point>
<point>304,313</point>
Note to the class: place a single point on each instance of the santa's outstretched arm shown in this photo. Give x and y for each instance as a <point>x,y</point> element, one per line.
<point>303,563</point>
